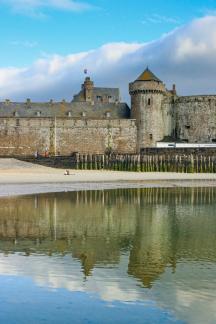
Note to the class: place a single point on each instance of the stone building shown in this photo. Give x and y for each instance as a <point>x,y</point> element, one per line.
<point>96,120</point>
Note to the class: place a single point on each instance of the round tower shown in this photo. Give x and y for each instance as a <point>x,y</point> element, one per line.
<point>147,93</point>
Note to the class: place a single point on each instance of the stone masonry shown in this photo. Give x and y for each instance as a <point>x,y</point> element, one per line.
<point>95,121</point>
<point>63,136</point>
<point>161,115</point>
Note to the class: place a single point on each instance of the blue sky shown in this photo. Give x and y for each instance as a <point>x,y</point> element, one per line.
<point>29,31</point>
<point>42,45</point>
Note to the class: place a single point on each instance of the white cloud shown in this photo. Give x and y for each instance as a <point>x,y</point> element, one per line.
<point>185,56</point>
<point>189,299</point>
<point>159,19</point>
<point>67,274</point>
<point>37,7</point>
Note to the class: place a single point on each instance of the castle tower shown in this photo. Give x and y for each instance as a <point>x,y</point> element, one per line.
<point>88,87</point>
<point>147,93</point>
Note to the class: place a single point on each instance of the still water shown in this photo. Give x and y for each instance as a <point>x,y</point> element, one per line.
<point>126,256</point>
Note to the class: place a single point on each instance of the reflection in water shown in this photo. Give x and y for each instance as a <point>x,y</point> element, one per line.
<point>160,239</point>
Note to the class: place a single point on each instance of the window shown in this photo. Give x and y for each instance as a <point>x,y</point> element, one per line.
<point>213,140</point>
<point>187,126</point>
<point>108,114</point>
<point>99,98</point>
<point>38,113</point>
<point>149,101</point>
<point>150,136</point>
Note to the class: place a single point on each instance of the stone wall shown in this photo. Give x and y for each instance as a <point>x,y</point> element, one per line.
<point>196,119</point>
<point>168,117</point>
<point>24,136</point>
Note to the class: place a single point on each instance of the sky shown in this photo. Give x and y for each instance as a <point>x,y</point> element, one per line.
<point>46,45</point>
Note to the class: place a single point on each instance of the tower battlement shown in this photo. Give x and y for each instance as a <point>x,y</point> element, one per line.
<point>147,82</point>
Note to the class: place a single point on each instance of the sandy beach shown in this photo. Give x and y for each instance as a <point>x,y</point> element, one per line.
<point>21,178</point>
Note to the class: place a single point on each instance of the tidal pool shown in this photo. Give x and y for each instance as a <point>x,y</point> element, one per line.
<point>126,256</point>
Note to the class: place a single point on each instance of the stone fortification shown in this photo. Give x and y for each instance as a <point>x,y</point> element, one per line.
<point>151,106</point>
<point>25,136</point>
<point>196,119</point>
<point>161,115</point>
<point>96,120</point>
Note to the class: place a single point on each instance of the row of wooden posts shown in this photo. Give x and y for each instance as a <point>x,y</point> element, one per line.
<point>191,163</point>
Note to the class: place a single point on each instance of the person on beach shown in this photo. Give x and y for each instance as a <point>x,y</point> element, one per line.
<point>46,154</point>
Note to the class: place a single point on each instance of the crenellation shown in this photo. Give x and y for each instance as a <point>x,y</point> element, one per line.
<point>198,98</point>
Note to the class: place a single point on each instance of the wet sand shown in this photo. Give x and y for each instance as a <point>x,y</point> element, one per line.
<point>21,178</point>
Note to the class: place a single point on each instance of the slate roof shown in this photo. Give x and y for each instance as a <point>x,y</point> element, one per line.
<point>148,75</point>
<point>64,109</point>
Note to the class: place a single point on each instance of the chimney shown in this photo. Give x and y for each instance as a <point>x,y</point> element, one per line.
<point>88,87</point>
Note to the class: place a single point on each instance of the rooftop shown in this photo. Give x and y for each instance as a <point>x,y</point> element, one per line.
<point>148,75</point>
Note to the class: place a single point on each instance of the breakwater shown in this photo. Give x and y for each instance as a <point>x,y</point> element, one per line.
<point>150,160</point>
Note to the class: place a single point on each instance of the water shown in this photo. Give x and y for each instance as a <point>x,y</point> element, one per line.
<point>126,256</point>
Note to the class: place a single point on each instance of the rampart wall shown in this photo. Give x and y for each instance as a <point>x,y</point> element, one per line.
<point>196,119</point>
<point>25,136</point>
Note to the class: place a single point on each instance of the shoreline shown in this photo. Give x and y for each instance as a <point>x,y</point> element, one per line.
<point>19,178</point>
<point>15,190</point>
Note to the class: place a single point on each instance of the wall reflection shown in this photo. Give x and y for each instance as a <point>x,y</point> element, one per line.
<point>157,227</point>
